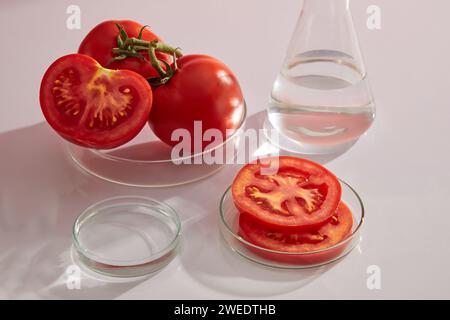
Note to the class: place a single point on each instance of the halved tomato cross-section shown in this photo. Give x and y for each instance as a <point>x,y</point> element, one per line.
<point>301,194</point>
<point>92,106</point>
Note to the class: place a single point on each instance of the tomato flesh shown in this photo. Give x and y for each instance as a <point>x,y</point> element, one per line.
<point>332,233</point>
<point>92,106</point>
<point>100,41</point>
<point>337,229</point>
<point>301,194</point>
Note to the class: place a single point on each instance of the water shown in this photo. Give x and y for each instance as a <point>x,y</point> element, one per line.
<point>321,98</point>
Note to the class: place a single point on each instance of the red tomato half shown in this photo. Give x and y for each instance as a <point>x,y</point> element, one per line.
<point>330,234</point>
<point>100,41</point>
<point>92,106</point>
<point>300,194</point>
<point>202,89</point>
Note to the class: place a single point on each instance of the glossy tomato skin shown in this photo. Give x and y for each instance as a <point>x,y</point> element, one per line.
<point>306,248</point>
<point>92,106</point>
<point>297,194</point>
<point>100,41</point>
<point>202,89</point>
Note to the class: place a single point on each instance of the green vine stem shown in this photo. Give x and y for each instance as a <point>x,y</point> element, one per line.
<point>133,47</point>
<point>155,62</point>
<point>159,46</point>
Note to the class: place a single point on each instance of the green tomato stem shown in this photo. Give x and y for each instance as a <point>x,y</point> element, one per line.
<point>162,47</point>
<point>155,62</point>
<point>133,47</point>
<point>156,44</point>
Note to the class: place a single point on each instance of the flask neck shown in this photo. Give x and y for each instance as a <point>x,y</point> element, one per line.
<point>326,6</point>
<point>325,25</point>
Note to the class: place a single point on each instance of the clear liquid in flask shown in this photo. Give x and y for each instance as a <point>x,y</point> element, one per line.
<point>321,101</point>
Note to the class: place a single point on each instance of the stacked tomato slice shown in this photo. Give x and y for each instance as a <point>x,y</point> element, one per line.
<point>291,205</point>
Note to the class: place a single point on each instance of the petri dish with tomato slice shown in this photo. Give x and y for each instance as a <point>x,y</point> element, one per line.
<point>267,230</point>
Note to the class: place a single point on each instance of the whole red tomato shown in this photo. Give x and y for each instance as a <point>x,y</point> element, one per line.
<point>202,89</point>
<point>101,40</point>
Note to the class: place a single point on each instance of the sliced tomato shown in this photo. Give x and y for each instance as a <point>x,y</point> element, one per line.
<point>92,106</point>
<point>299,195</point>
<point>332,233</point>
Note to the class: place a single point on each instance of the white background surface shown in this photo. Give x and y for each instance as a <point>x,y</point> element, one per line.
<point>400,167</point>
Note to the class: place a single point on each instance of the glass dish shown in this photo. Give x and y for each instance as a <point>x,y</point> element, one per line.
<point>147,162</point>
<point>229,225</point>
<point>127,236</point>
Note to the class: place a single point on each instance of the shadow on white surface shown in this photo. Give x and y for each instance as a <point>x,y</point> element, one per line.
<point>48,277</point>
<point>41,194</point>
<point>217,267</point>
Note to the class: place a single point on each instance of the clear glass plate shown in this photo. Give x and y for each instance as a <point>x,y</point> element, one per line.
<point>147,162</point>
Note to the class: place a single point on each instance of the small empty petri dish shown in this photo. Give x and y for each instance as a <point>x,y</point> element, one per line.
<point>127,236</point>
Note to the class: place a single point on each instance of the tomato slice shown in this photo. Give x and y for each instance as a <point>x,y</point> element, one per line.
<point>92,106</point>
<point>300,248</point>
<point>338,228</point>
<point>300,195</point>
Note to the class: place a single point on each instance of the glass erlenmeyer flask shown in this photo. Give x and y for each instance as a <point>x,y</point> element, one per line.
<point>321,101</point>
